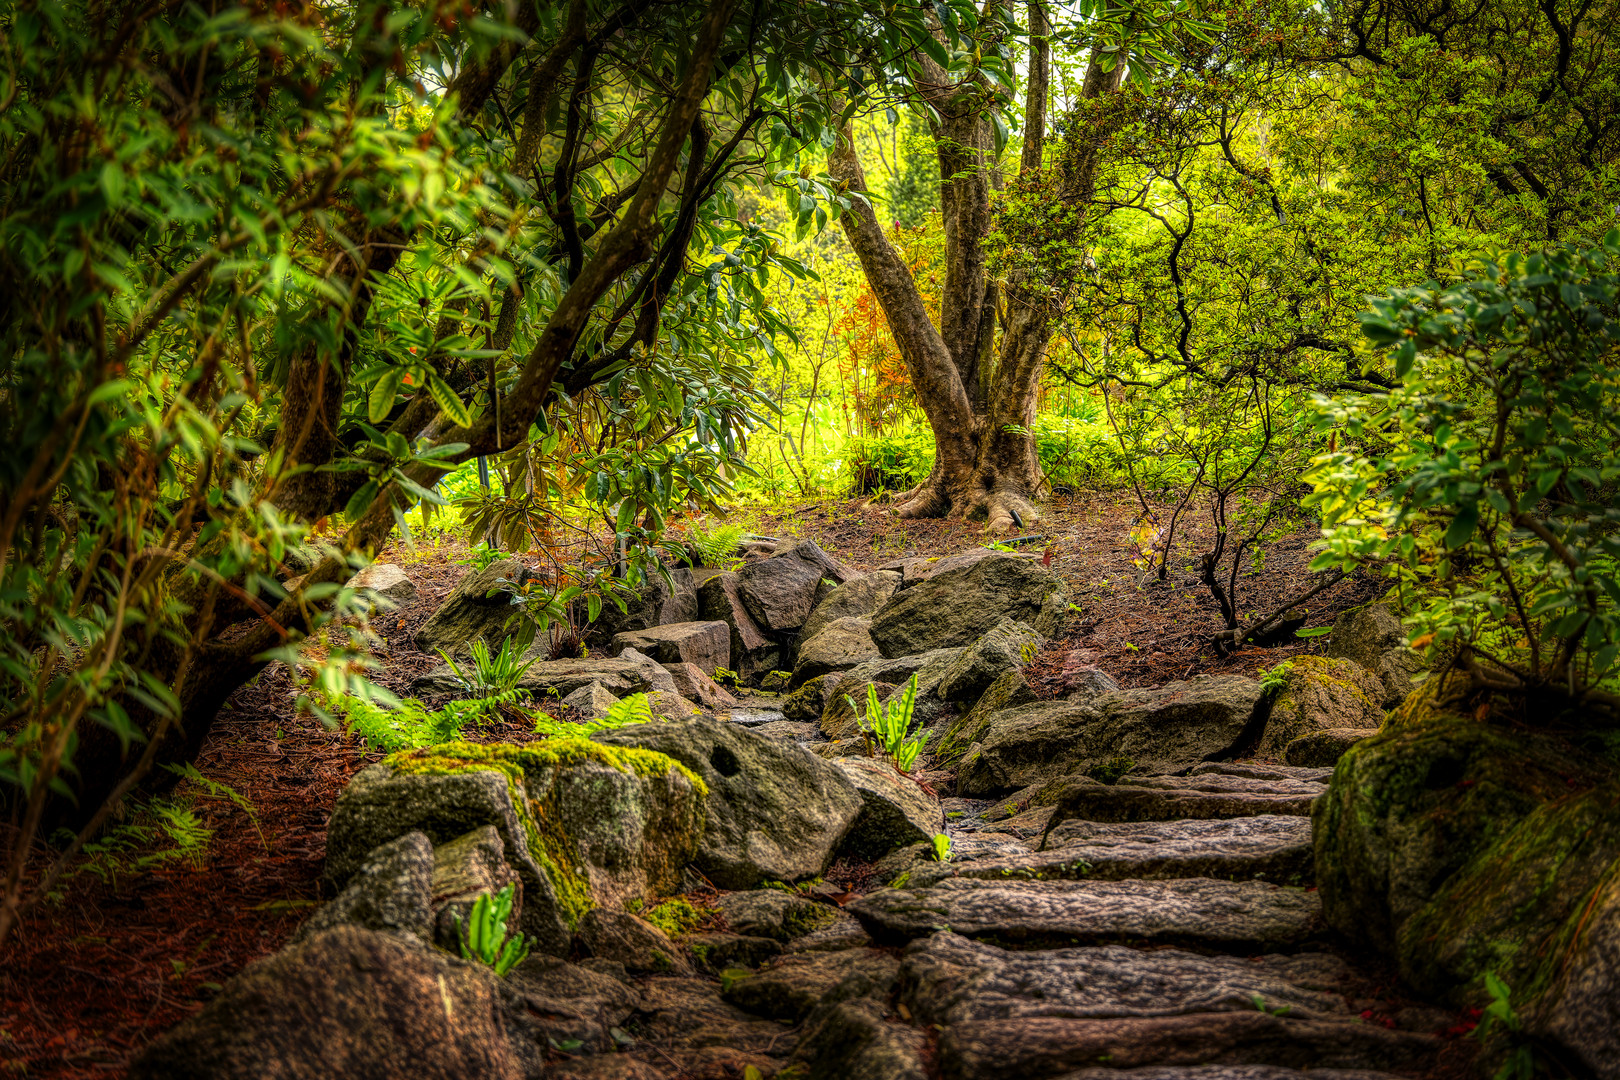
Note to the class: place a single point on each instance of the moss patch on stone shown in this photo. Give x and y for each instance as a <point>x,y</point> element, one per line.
<point>675,917</point>
<point>549,844</point>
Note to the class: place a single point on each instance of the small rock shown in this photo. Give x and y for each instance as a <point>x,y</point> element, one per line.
<point>718,951</point>
<point>387,581</point>
<point>753,651</point>
<point>858,597</point>
<point>790,986</point>
<point>696,686</point>
<point>1007,646</point>
<point>464,869</point>
<point>1321,694</point>
<point>592,699</point>
<point>773,913</point>
<point>637,944</point>
<point>391,890</point>
<point>1374,638</point>
<point>776,682</point>
<point>895,810</point>
<point>1324,748</point>
<point>781,591</point>
<point>480,606</point>
<point>837,646</point>
<point>851,1040</point>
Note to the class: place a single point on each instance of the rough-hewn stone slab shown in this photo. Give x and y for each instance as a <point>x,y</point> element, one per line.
<point>1200,910</point>
<point>1048,1046</point>
<point>1272,848</point>
<point>950,979</point>
<point>1224,1072</point>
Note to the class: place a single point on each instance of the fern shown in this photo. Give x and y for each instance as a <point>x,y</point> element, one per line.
<point>412,725</point>
<point>717,546</point>
<point>635,709</point>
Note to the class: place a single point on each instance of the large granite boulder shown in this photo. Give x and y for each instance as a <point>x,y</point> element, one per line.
<point>1409,809</point>
<point>583,824</point>
<point>1166,729</point>
<point>1007,646</point>
<point>1321,694</point>
<point>754,652</point>
<point>895,810</point>
<point>775,811</point>
<point>349,1002</point>
<point>836,646</point>
<point>1580,1010</point>
<point>958,606</point>
<point>857,598</point>
<point>1373,637</point>
<point>780,592</point>
<point>479,607</point>
<point>706,645</point>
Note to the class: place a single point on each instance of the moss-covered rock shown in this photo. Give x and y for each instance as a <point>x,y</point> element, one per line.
<point>583,824</point>
<point>1010,689</point>
<point>1580,1009</point>
<point>1321,694</point>
<point>1410,807</point>
<point>1506,910</point>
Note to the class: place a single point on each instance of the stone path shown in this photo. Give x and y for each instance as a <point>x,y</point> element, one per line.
<point>1172,948</point>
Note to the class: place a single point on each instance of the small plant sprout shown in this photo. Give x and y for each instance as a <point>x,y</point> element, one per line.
<point>1273,680</point>
<point>886,727</point>
<point>484,937</point>
<point>942,847</point>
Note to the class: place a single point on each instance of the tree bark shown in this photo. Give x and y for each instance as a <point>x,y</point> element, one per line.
<point>982,413</point>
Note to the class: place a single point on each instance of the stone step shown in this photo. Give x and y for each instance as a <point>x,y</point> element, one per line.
<point>1271,847</point>
<point>1203,911</point>
<point>1176,798</point>
<point>1037,1047</point>
<point>949,980</point>
<point>1261,772</point>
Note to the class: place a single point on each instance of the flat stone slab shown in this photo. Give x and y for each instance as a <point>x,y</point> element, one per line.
<point>1050,1046</point>
<point>1271,848</point>
<point>1229,784</point>
<point>1179,798</point>
<point>1261,772</point>
<point>949,979</point>
<point>1221,914</point>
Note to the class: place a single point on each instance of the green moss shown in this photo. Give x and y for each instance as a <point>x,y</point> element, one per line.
<point>902,881</point>
<point>675,917</point>
<point>549,844</point>
<point>801,920</point>
<point>1111,770</point>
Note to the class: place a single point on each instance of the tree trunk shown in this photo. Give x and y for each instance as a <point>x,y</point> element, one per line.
<point>982,414</point>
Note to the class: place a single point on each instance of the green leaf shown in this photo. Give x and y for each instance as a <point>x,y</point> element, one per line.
<point>381,402</point>
<point>449,401</point>
<point>1462,526</point>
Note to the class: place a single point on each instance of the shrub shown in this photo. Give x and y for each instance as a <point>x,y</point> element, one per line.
<point>1487,480</point>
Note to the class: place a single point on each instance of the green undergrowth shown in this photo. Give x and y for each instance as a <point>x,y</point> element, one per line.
<point>675,917</point>
<point>549,845</point>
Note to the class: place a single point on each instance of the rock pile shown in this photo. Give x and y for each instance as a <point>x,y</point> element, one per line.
<point>1118,892</point>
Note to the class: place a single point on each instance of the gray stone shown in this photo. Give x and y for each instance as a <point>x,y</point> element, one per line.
<point>554,1003</point>
<point>1321,694</point>
<point>774,812</point>
<point>466,868</point>
<point>1175,798</point>
<point>955,607</point>
<point>1256,771</point>
<point>385,582</point>
<point>1088,683</point>
<point>480,606</point>
<point>391,890</point>
<point>849,703</point>
<point>1373,637</point>
<point>781,591</point>
<point>1050,1045</point>
<point>637,944</point>
<point>950,979</point>
<point>1324,748</point>
<point>655,603</point>
<point>1229,915</point>
<point>694,684</point>
<point>1275,849</point>
<point>895,810</point>
<point>776,682</point>
<point>753,651</point>
<point>808,702</point>
<point>851,1040</point>
<point>718,951</point>
<point>592,699</point>
<point>773,913</point>
<point>1225,1072</point>
<point>1007,646</point>
<point>1167,728</point>
<point>839,933</point>
<point>919,568</point>
<point>346,1002</point>
<point>836,646</point>
<point>379,805</point>
<point>961,733</point>
<point>705,645</point>
<point>689,1021</point>
<point>552,680</point>
<point>1581,1010</point>
<point>790,986</point>
<point>859,597</point>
